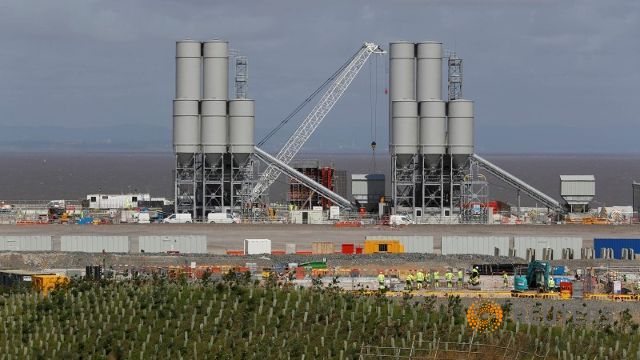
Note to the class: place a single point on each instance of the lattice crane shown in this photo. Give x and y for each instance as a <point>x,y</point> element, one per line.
<point>311,122</point>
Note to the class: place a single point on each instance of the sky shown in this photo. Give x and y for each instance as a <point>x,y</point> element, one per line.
<point>546,76</point>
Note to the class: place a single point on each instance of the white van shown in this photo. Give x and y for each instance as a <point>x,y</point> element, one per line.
<point>400,220</point>
<point>178,219</point>
<point>144,218</point>
<point>222,218</point>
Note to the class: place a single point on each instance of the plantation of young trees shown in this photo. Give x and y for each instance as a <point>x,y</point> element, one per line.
<point>240,319</point>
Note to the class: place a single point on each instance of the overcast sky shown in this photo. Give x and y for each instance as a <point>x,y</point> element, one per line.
<point>547,76</point>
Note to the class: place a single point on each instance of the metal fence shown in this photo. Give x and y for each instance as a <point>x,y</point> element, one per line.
<point>188,244</point>
<point>443,350</point>
<point>94,244</point>
<point>25,243</point>
<point>482,245</point>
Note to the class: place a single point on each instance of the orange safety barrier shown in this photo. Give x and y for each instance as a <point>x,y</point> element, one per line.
<point>235,252</point>
<point>304,252</point>
<point>278,252</point>
<point>342,224</point>
<point>301,272</point>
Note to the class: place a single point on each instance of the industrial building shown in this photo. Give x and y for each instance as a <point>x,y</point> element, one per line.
<point>435,173</point>
<point>212,134</point>
<point>301,196</point>
<point>577,191</point>
<point>436,177</point>
<point>368,190</point>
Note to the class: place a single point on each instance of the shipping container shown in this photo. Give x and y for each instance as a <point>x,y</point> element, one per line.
<point>306,217</point>
<point>383,246</point>
<point>184,244</point>
<point>539,243</point>
<point>257,246</point>
<point>94,244</point>
<point>25,243</point>
<point>290,248</point>
<point>480,245</point>
<point>320,247</point>
<point>348,249</point>
<point>617,245</point>
<point>419,244</point>
<point>9,278</point>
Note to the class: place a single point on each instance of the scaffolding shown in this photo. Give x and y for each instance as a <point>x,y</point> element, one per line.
<point>455,77</point>
<point>301,196</point>
<point>474,197</point>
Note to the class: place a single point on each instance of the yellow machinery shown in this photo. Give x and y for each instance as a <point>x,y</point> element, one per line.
<point>383,246</point>
<point>46,283</point>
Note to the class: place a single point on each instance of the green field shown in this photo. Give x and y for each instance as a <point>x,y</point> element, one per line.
<point>239,319</point>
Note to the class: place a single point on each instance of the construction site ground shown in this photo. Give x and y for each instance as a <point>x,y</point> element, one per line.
<point>223,237</point>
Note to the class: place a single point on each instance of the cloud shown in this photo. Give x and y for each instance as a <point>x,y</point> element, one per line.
<point>90,63</point>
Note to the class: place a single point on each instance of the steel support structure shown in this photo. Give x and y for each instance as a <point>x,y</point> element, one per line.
<point>454,77</point>
<point>432,189</point>
<point>404,180</point>
<point>186,184</point>
<point>474,196</point>
<point>213,172</point>
<point>242,77</point>
<point>307,181</point>
<point>518,184</point>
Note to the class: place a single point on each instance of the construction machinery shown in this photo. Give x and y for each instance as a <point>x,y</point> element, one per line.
<point>340,82</point>
<point>537,278</point>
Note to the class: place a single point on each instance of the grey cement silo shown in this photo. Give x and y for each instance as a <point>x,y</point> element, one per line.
<point>188,69</point>
<point>428,70</point>
<point>214,129</point>
<point>460,130</point>
<point>433,131</point>
<point>216,70</point>
<point>404,122</point>
<point>186,129</point>
<point>402,76</point>
<point>241,128</point>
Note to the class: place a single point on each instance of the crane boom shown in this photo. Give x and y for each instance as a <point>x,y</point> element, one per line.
<point>318,113</point>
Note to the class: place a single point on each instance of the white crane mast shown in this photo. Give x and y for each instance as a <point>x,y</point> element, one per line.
<point>311,122</point>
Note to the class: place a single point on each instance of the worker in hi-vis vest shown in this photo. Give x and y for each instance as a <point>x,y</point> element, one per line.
<point>420,278</point>
<point>380,280</point>
<point>449,277</point>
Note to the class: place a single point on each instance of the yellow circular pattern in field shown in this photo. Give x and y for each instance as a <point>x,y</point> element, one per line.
<point>485,316</point>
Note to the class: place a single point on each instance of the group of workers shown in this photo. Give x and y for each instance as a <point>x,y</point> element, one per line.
<point>417,280</point>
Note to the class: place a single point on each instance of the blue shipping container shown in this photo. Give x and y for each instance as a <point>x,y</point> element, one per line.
<point>617,245</point>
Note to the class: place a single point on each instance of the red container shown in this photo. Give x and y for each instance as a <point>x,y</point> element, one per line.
<point>348,249</point>
<point>359,250</point>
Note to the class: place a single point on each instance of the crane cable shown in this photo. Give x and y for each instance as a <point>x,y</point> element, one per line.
<point>373,108</point>
<point>306,101</point>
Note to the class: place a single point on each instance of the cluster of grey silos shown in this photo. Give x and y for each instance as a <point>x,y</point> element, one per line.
<point>204,120</point>
<point>420,120</point>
